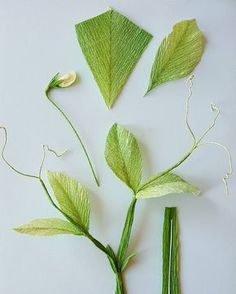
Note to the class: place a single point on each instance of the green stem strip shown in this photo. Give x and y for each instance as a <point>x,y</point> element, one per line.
<point>126,233</point>
<point>120,288</point>
<point>76,134</point>
<point>170,253</point>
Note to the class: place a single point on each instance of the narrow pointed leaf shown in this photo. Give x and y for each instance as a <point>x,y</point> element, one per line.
<point>178,54</point>
<point>123,156</point>
<point>48,227</point>
<point>112,45</point>
<point>165,184</point>
<point>72,197</point>
<point>127,261</point>
<point>111,259</point>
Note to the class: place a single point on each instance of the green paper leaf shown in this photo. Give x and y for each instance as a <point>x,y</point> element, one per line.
<point>178,54</point>
<point>48,227</point>
<point>111,260</point>
<point>127,261</point>
<point>162,185</point>
<point>72,198</point>
<point>123,156</point>
<point>112,45</point>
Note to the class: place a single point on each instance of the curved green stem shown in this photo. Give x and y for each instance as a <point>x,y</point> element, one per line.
<point>76,134</point>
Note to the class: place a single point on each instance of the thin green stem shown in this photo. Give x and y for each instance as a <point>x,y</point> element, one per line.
<point>76,134</point>
<point>172,167</point>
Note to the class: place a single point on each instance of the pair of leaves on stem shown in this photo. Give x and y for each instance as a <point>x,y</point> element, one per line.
<point>112,46</point>
<point>124,158</point>
<point>73,201</point>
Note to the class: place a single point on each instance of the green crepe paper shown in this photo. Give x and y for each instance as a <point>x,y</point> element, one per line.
<point>178,54</point>
<point>123,156</point>
<point>72,198</point>
<point>170,252</point>
<point>112,45</point>
<point>48,227</point>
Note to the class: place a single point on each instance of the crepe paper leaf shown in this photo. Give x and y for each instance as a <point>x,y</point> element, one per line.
<point>112,45</point>
<point>127,261</point>
<point>48,227</point>
<point>72,198</point>
<point>123,156</point>
<point>170,253</point>
<point>126,233</point>
<point>162,185</point>
<point>178,54</point>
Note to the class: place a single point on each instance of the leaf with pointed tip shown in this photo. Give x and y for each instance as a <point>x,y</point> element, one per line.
<point>112,45</point>
<point>162,185</point>
<point>178,54</point>
<point>72,197</point>
<point>127,261</point>
<point>123,156</point>
<point>48,227</point>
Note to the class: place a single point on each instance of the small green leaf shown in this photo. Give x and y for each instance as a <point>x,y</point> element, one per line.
<point>123,156</point>
<point>72,198</point>
<point>112,46</point>
<point>162,185</point>
<point>127,261</point>
<point>178,54</point>
<point>111,259</point>
<point>48,227</point>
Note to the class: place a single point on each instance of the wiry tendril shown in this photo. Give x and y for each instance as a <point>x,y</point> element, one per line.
<point>190,82</point>
<point>7,162</point>
<point>230,169</point>
<point>197,143</point>
<point>45,148</point>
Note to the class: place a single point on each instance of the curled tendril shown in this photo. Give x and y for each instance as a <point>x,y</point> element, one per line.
<point>45,148</point>
<point>230,168</point>
<point>190,82</point>
<point>7,162</point>
<point>197,143</point>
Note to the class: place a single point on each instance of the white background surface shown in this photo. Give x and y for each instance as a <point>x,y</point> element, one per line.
<point>38,40</point>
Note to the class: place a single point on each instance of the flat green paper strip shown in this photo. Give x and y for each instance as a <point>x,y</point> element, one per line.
<point>170,252</point>
<point>178,54</point>
<point>112,45</point>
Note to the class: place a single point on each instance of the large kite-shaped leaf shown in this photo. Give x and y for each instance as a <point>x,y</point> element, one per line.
<point>165,184</point>
<point>72,198</point>
<point>48,227</point>
<point>178,54</point>
<point>123,156</point>
<point>112,45</point>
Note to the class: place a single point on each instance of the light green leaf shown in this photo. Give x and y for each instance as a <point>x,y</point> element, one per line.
<point>123,156</point>
<point>48,227</point>
<point>112,45</point>
<point>72,198</point>
<point>162,185</point>
<point>178,54</point>
<point>127,261</point>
